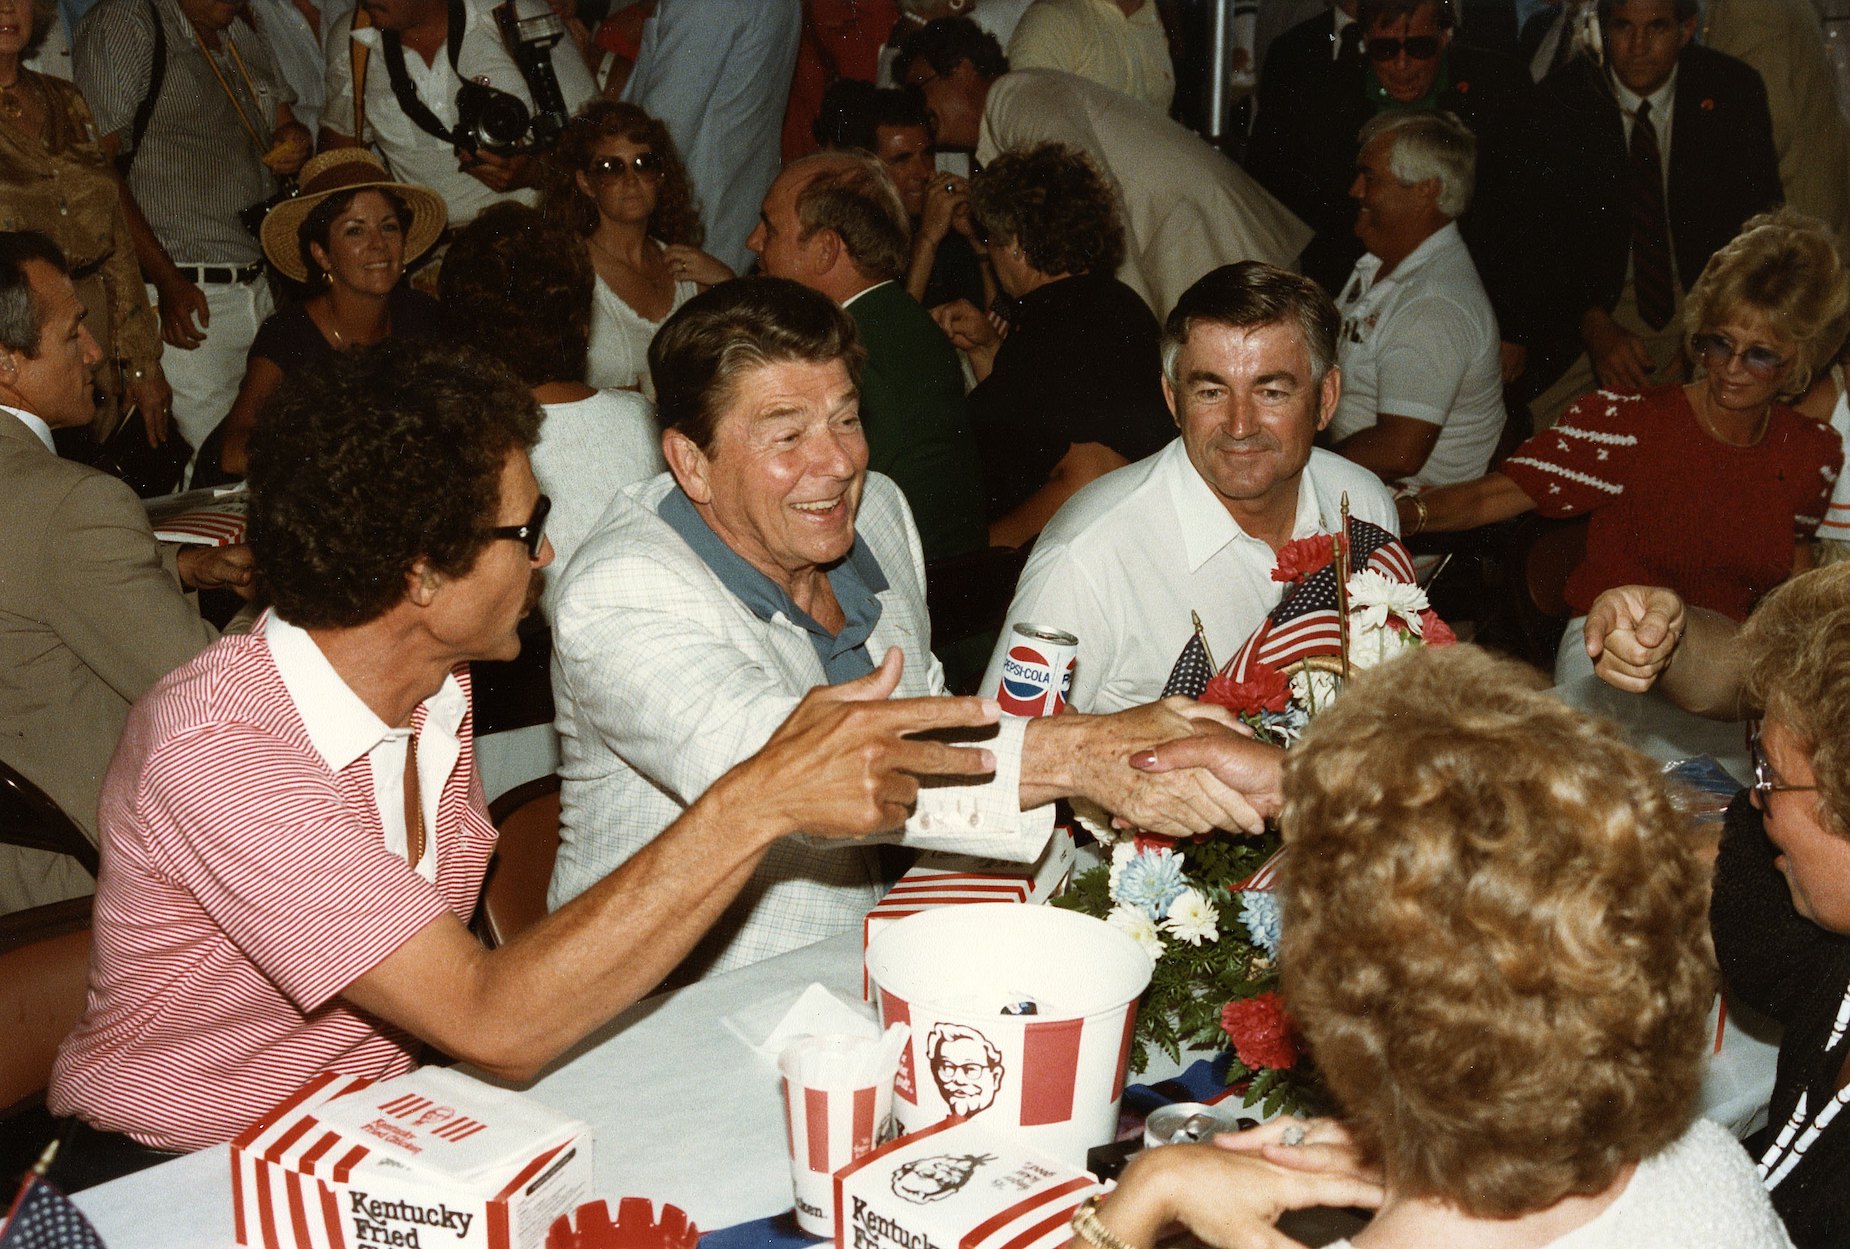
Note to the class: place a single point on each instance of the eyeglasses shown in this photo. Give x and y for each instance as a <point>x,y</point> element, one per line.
<point>648,166</point>
<point>1417,47</point>
<point>1766,780</point>
<point>533,533</point>
<point>1717,350</point>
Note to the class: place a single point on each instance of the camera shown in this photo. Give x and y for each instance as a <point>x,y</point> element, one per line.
<point>489,119</point>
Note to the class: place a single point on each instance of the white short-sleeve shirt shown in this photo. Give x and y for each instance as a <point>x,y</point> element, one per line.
<point>1423,343</point>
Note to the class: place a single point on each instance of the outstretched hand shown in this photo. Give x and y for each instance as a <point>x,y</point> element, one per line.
<point>1177,801</point>
<point>845,763</point>
<point>1248,768</point>
<point>1632,633</point>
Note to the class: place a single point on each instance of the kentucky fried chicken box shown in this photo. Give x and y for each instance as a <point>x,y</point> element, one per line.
<point>953,1186</point>
<point>431,1160</point>
<point>1021,1021</point>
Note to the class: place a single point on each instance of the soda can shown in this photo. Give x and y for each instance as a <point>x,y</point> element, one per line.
<point>1037,671</point>
<point>1182,1123</point>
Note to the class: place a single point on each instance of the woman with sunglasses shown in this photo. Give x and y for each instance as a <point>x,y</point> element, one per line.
<point>619,183</point>
<point>1710,487</point>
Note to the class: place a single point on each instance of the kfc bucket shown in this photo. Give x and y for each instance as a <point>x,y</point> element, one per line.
<point>1049,1079</point>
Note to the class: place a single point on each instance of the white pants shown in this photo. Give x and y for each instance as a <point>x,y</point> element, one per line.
<point>205,380</point>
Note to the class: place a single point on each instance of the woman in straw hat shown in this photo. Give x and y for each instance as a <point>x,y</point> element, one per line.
<point>347,237</point>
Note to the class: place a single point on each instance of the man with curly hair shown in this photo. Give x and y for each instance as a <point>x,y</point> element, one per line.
<point>294,825</point>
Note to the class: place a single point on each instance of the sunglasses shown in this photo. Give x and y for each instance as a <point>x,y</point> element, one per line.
<point>1417,47</point>
<point>1718,350</point>
<point>1766,780</point>
<point>648,166</point>
<point>530,534</point>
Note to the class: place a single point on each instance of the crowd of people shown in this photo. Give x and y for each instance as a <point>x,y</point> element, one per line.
<point>728,334</point>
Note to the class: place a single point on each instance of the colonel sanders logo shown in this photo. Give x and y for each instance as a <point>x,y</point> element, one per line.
<point>937,1177</point>
<point>436,1114</point>
<point>967,1068</point>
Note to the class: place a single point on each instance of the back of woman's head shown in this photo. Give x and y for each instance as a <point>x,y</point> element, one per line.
<point>1783,267</point>
<point>1496,934</point>
<point>519,288</point>
<point>1052,200</point>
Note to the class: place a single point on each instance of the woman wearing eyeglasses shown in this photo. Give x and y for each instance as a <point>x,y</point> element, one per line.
<point>1780,914</point>
<point>619,182</point>
<point>1710,487</point>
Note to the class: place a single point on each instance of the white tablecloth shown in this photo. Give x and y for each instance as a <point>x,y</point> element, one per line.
<point>684,1111</point>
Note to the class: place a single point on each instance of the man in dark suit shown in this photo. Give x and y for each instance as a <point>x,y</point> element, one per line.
<point>835,222</point>
<point>91,607</point>
<point>1614,295</point>
<point>1326,77</point>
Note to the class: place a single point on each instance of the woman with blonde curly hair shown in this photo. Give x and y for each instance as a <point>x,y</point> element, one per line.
<point>1495,944</point>
<point>1712,487</point>
<point>1072,391</point>
<point>617,181</point>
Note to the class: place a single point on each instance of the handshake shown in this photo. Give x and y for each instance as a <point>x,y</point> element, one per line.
<point>849,761</point>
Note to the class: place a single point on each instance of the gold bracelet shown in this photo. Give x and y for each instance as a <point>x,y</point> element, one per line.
<point>1088,1227</point>
<point>1419,513</point>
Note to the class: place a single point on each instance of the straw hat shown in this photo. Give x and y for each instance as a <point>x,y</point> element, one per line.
<point>347,169</point>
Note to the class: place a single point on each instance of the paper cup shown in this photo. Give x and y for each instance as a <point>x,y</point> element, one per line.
<point>1050,1080</point>
<point>830,1123</point>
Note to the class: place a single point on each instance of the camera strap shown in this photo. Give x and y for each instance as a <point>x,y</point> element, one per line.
<point>405,92</point>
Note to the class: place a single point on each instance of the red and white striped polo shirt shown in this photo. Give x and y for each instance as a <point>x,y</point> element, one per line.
<point>246,882</point>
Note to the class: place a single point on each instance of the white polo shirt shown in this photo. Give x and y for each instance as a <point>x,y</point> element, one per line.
<point>1422,343</point>
<point>1128,558</point>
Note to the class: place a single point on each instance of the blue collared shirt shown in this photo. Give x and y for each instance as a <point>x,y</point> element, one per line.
<point>856,580</point>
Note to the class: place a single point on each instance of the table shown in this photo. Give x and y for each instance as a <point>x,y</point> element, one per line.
<point>722,1160</point>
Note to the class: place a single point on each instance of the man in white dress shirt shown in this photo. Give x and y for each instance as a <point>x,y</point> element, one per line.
<point>1249,371</point>
<point>765,563</point>
<point>1422,397</point>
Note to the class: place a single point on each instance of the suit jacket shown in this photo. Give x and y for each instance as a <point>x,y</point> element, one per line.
<point>912,409</point>
<point>1304,149</point>
<point>91,616</point>
<point>1722,171</point>
<point>664,679</point>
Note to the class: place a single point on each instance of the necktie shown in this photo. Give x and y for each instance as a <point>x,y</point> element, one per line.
<point>1650,232</point>
<point>1349,45</point>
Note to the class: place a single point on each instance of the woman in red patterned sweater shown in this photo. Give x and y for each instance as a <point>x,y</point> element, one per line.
<point>1713,487</point>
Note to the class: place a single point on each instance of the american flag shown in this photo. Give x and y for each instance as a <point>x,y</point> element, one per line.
<point>1192,669</point>
<point>44,1218</point>
<point>1305,622</point>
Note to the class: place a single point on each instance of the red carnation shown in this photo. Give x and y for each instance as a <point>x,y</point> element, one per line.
<point>1301,557</point>
<point>1434,631</point>
<point>1262,1032</point>
<point>1268,690</point>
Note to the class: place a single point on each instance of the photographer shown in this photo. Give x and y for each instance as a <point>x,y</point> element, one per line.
<point>436,78</point>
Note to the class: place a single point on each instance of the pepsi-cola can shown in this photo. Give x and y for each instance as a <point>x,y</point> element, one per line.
<point>1037,671</point>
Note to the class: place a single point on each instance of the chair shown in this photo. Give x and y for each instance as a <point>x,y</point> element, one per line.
<point>514,895</point>
<point>29,818</point>
<point>42,985</point>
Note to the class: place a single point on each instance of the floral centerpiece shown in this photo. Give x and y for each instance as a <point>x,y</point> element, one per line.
<point>1203,908</point>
